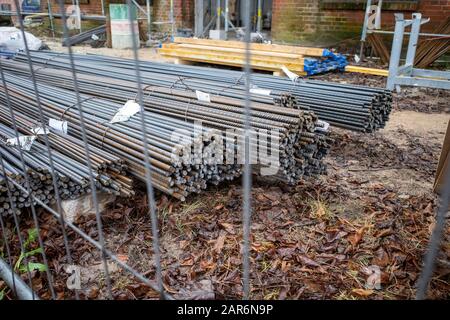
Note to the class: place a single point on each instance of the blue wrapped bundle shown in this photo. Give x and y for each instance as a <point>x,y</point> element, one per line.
<point>330,62</point>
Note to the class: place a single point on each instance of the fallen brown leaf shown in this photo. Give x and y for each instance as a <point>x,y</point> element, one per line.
<point>362,292</point>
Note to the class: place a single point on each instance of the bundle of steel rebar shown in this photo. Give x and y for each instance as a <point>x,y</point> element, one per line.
<point>84,36</point>
<point>124,139</point>
<point>222,113</point>
<point>377,43</point>
<point>69,163</point>
<point>301,147</point>
<point>348,106</point>
<point>431,49</point>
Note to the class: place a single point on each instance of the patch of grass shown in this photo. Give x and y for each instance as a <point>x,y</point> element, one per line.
<point>122,282</point>
<point>265,265</point>
<point>343,295</point>
<point>320,211</point>
<point>272,295</point>
<point>180,226</point>
<point>163,214</point>
<point>31,239</point>
<point>191,207</point>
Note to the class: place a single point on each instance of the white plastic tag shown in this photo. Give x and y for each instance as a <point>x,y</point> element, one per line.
<point>290,74</point>
<point>263,92</point>
<point>129,109</point>
<point>39,131</point>
<point>25,142</point>
<point>203,96</point>
<point>324,126</point>
<point>60,126</point>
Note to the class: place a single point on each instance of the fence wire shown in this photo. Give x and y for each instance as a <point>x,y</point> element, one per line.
<point>156,284</point>
<point>100,245</point>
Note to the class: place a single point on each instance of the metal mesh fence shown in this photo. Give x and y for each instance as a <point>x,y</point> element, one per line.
<point>18,183</point>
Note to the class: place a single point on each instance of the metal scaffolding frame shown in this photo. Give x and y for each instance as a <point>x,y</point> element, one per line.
<point>406,74</point>
<point>366,29</point>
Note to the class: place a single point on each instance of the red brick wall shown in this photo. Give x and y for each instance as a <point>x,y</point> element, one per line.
<point>327,19</point>
<point>183,12</point>
<point>94,7</point>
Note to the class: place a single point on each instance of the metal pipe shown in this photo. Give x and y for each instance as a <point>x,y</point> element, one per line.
<point>12,280</point>
<point>149,20</point>
<point>219,14</point>
<point>259,17</point>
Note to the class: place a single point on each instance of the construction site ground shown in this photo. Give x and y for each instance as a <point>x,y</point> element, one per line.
<point>321,239</point>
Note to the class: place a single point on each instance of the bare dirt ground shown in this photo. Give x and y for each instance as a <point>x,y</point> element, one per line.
<point>144,53</point>
<point>321,239</point>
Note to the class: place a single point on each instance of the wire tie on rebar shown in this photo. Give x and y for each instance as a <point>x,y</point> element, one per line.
<point>75,104</point>
<point>180,80</point>
<point>238,81</point>
<point>44,65</point>
<point>145,88</point>
<point>186,111</point>
<point>104,134</point>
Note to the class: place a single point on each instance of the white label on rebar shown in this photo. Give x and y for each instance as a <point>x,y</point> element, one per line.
<point>290,74</point>
<point>323,126</point>
<point>60,126</point>
<point>39,131</point>
<point>261,91</point>
<point>25,142</point>
<point>203,96</point>
<point>130,108</point>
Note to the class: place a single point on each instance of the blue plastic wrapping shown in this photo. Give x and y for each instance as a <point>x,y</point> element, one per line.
<point>330,62</point>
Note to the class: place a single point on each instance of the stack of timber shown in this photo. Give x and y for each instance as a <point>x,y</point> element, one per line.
<point>269,57</point>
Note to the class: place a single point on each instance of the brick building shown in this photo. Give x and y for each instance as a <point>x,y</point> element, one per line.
<point>307,19</point>
<point>291,20</point>
<point>183,9</point>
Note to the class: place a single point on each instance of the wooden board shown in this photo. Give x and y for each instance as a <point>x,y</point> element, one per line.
<point>228,55</point>
<point>358,69</point>
<point>232,50</point>
<point>231,61</point>
<point>305,51</point>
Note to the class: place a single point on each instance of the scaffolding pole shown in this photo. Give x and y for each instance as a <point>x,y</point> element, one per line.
<point>199,17</point>
<point>259,17</point>
<point>50,16</point>
<point>12,280</point>
<point>226,15</point>
<point>172,20</point>
<point>149,19</point>
<point>219,14</point>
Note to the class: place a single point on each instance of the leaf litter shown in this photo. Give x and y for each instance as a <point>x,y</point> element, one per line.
<point>321,239</point>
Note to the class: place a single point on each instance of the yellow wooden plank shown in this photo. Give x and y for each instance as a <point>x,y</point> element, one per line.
<point>233,50</point>
<point>232,57</point>
<point>306,51</point>
<point>374,71</point>
<point>228,55</point>
<point>255,64</point>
